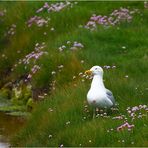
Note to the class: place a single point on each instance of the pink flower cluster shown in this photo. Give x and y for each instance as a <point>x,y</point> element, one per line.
<point>79,45</point>
<point>34,55</point>
<point>133,112</point>
<point>109,67</point>
<point>121,117</point>
<point>52,85</point>
<point>2,12</point>
<point>56,7</point>
<point>32,58</point>
<point>72,46</point>
<point>125,125</point>
<point>136,111</point>
<point>116,17</point>
<point>11,30</point>
<point>37,20</point>
<point>34,69</point>
<point>123,14</point>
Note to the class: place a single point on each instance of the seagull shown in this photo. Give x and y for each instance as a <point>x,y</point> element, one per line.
<point>98,96</point>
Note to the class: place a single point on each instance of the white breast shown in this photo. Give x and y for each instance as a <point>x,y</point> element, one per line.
<point>98,99</point>
<point>97,96</point>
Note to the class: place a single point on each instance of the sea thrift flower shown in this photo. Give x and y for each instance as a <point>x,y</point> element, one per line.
<point>39,10</point>
<point>129,111</point>
<point>68,122</point>
<point>135,108</point>
<point>82,61</point>
<point>118,117</point>
<point>146,4</point>
<point>107,67</point>
<point>72,46</point>
<point>63,46</point>
<point>53,72</point>
<point>32,58</point>
<point>123,47</point>
<point>34,55</point>
<point>39,21</point>
<point>132,142</point>
<point>41,97</point>
<point>60,49</point>
<point>46,5</point>
<point>50,110</point>
<point>50,136</point>
<point>84,118</point>
<point>78,45</point>
<point>68,42</point>
<point>29,76</point>
<point>35,68</point>
<point>123,141</point>
<point>116,17</point>
<point>11,30</point>
<point>73,77</point>
<point>89,141</point>
<point>60,66</point>
<point>80,73</point>
<point>55,7</point>
<point>52,29</point>
<point>61,145</point>
<point>125,125</point>
<point>114,66</point>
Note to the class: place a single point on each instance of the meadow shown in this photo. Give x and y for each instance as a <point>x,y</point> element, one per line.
<point>45,48</point>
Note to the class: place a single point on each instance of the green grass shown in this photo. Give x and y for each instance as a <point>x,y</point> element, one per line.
<point>101,47</point>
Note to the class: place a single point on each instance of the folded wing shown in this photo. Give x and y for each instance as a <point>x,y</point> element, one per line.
<point>110,96</point>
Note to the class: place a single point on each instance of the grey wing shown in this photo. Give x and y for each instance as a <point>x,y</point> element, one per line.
<point>110,96</point>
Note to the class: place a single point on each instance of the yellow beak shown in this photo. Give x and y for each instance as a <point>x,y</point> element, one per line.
<point>88,72</point>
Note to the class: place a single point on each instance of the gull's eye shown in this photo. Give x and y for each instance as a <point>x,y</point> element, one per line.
<point>96,68</point>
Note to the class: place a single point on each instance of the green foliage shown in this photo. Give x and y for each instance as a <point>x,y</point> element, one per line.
<point>5,93</point>
<point>12,108</point>
<point>30,103</point>
<point>21,94</point>
<point>63,121</point>
<point>19,113</point>
<point>60,117</point>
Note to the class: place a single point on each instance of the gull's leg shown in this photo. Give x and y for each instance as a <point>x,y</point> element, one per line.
<point>105,110</point>
<point>94,113</point>
<point>97,110</point>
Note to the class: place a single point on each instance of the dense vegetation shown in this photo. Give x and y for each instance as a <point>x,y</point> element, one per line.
<point>44,51</point>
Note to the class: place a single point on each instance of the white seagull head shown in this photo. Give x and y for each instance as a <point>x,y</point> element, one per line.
<point>95,70</point>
